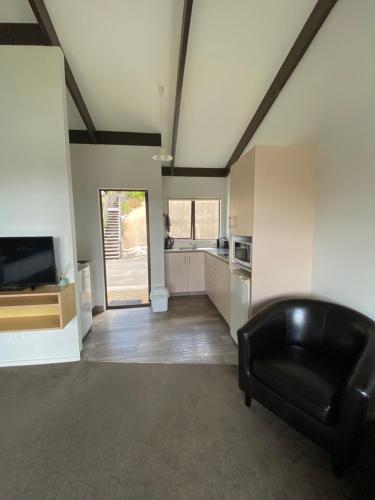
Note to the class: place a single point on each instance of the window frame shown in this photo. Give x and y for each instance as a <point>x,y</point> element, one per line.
<point>192,216</point>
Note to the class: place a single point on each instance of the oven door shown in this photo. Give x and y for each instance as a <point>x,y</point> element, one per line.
<point>242,253</point>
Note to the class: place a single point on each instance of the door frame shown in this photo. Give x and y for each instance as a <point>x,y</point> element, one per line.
<point>148,247</point>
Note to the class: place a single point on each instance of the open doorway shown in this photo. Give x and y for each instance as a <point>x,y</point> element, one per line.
<point>125,237</point>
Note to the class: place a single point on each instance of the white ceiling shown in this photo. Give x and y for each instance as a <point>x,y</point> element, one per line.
<point>120,50</point>
<point>235,49</point>
<point>16,11</point>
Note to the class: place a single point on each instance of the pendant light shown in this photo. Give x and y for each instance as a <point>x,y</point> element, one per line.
<point>162,155</point>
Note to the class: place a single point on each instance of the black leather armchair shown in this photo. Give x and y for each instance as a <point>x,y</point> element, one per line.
<point>313,364</point>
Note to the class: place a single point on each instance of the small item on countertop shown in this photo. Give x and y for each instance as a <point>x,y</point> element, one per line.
<point>168,242</point>
<point>222,243</point>
<point>62,280</point>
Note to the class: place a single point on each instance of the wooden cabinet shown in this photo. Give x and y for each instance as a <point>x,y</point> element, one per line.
<point>217,284</point>
<point>242,196</point>
<point>184,271</point>
<point>45,308</point>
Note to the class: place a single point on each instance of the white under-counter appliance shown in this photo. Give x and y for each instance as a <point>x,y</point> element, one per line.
<point>240,291</point>
<point>84,278</point>
<point>241,251</point>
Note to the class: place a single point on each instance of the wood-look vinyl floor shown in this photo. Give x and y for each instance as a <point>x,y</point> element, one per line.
<point>192,331</point>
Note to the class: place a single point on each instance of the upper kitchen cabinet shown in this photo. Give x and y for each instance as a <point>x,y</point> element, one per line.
<point>273,190</point>
<point>242,195</point>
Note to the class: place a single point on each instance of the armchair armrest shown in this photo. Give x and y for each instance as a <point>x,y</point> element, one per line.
<point>262,332</point>
<point>359,393</point>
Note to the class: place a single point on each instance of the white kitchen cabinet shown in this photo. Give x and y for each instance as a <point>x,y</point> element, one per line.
<point>210,276</point>
<point>272,199</point>
<point>217,284</point>
<point>176,272</point>
<point>242,196</point>
<point>184,271</point>
<point>195,271</point>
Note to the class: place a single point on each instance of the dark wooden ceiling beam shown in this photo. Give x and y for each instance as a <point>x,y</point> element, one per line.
<point>45,23</point>
<point>194,172</point>
<point>115,138</point>
<point>300,46</point>
<point>188,6</point>
<point>22,34</point>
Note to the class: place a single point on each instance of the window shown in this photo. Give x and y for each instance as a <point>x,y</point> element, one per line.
<point>194,219</point>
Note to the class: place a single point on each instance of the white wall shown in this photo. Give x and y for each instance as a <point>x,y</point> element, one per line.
<point>329,101</point>
<point>197,187</point>
<point>114,167</point>
<point>35,188</point>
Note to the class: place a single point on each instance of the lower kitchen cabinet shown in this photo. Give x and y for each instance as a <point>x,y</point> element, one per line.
<point>176,272</point>
<point>195,265</point>
<point>198,272</point>
<point>217,284</point>
<point>184,271</point>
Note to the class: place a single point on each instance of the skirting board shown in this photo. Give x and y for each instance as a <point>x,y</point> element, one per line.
<point>45,361</point>
<point>97,310</point>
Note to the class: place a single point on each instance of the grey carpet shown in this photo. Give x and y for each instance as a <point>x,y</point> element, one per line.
<point>120,431</point>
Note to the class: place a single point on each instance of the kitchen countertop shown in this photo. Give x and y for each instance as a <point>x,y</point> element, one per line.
<point>82,264</point>
<point>220,253</point>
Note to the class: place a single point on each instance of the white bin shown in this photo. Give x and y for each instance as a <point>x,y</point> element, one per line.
<point>159,299</point>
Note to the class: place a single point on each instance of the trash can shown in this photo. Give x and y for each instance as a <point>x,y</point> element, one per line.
<point>159,298</point>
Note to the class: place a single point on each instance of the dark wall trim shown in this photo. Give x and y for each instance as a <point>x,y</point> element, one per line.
<point>300,46</point>
<point>188,6</point>
<point>45,23</point>
<point>115,138</point>
<point>22,34</point>
<point>193,172</point>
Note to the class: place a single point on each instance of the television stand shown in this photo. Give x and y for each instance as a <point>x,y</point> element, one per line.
<point>47,308</point>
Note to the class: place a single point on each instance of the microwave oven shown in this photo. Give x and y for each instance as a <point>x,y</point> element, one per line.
<point>241,252</point>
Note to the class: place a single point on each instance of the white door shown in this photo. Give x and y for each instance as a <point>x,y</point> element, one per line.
<point>176,271</point>
<point>195,271</point>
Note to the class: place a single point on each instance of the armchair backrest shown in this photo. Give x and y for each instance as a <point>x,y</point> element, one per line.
<point>346,331</point>
<point>325,327</point>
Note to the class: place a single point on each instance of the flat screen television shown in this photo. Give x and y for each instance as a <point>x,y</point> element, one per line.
<point>27,261</point>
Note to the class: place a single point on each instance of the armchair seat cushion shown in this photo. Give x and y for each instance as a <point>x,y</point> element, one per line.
<point>309,380</point>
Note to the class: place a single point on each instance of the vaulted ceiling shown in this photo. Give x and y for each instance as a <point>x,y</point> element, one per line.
<point>121,50</point>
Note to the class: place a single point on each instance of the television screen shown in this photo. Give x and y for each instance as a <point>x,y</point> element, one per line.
<point>27,261</point>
